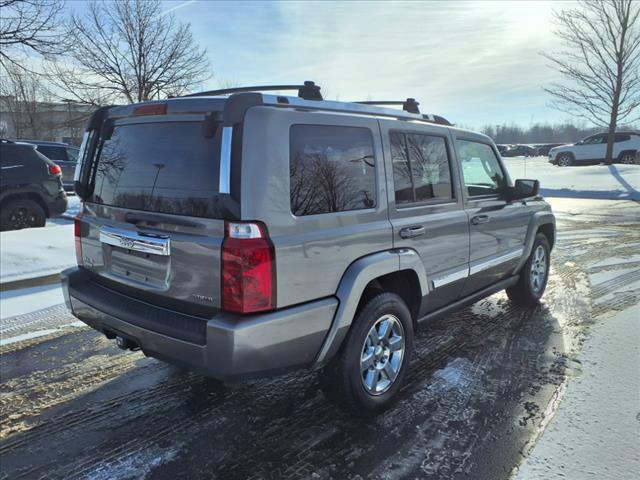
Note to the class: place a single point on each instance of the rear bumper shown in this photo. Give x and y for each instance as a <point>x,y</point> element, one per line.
<point>58,205</point>
<point>227,347</point>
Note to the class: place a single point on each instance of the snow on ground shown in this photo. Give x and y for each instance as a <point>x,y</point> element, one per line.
<point>596,424</point>
<point>27,300</point>
<point>36,252</point>
<point>589,181</point>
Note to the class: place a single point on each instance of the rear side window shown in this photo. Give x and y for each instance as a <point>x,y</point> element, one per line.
<point>421,169</point>
<point>480,169</point>
<point>622,137</point>
<point>166,167</point>
<point>331,169</point>
<point>53,153</point>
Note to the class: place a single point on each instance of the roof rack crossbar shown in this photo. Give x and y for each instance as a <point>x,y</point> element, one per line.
<point>409,105</point>
<point>309,90</point>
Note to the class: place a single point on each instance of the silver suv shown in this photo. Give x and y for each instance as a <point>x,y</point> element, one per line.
<point>253,234</point>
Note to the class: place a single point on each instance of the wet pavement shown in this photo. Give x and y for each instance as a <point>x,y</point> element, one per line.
<point>482,386</point>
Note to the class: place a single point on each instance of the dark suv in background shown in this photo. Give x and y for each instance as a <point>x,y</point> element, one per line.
<point>249,235</point>
<point>30,187</point>
<point>62,154</point>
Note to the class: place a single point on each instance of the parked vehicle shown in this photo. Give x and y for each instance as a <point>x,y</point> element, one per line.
<point>30,187</point>
<point>543,150</point>
<point>502,148</point>
<point>593,150</point>
<point>63,154</point>
<point>255,234</point>
<point>520,151</point>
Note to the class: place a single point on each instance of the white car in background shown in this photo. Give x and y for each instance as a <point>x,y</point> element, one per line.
<point>593,149</point>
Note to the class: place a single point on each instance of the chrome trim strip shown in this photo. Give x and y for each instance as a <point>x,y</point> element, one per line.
<point>132,240</point>
<point>12,166</point>
<point>224,183</point>
<point>494,262</point>
<point>451,277</point>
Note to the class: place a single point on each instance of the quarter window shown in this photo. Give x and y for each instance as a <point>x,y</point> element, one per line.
<point>331,169</point>
<point>420,168</point>
<point>480,169</point>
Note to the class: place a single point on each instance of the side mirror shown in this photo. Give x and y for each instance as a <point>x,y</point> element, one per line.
<point>525,189</point>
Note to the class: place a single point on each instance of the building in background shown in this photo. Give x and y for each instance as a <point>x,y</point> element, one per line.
<point>43,120</point>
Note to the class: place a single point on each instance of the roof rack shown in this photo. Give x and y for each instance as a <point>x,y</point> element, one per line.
<point>308,91</point>
<point>409,105</point>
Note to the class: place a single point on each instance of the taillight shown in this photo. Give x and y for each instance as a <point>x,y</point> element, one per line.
<point>55,169</point>
<point>248,269</point>
<point>77,233</point>
<point>150,109</point>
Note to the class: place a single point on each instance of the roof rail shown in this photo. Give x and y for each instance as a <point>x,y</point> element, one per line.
<point>409,105</point>
<point>308,91</point>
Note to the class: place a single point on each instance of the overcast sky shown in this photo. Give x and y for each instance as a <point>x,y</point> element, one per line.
<point>476,62</point>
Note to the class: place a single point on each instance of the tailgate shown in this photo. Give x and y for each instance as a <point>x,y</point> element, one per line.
<point>154,224</point>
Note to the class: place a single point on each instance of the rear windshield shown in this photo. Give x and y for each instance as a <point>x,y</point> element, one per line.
<point>168,167</point>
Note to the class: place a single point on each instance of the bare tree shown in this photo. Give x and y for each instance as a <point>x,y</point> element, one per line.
<point>29,26</point>
<point>21,95</point>
<point>600,63</point>
<point>128,51</point>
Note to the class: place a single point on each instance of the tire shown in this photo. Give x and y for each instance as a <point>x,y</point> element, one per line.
<point>534,275</point>
<point>21,213</point>
<point>564,160</point>
<point>346,380</point>
<point>627,158</point>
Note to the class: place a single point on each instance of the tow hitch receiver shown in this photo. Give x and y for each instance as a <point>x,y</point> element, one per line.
<point>126,344</point>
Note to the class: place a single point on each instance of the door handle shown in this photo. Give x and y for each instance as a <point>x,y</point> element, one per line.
<point>414,231</point>
<point>478,219</point>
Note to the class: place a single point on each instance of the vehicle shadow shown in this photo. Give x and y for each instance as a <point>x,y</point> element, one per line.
<point>478,383</point>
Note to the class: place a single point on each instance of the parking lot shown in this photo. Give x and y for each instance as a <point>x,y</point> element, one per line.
<point>483,385</point>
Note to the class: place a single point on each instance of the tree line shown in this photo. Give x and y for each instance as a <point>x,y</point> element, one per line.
<point>542,133</point>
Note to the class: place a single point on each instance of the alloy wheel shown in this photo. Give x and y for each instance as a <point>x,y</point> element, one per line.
<point>22,218</point>
<point>628,159</point>
<point>538,272</point>
<point>382,355</point>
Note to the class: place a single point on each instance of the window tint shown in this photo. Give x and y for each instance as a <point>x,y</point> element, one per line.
<point>52,152</point>
<point>480,168</point>
<point>167,167</point>
<point>622,137</point>
<point>331,169</point>
<point>420,168</point>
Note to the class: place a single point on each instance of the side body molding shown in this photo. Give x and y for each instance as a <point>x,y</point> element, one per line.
<point>542,217</point>
<point>352,285</point>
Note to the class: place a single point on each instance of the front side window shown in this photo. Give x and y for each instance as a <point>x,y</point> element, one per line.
<point>420,168</point>
<point>331,169</point>
<point>481,170</point>
<point>622,137</point>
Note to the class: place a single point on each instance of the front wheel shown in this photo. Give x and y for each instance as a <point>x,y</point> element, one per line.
<point>366,375</point>
<point>534,275</point>
<point>565,160</point>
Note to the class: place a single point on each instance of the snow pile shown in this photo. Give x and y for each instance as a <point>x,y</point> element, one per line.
<point>614,182</point>
<point>36,252</point>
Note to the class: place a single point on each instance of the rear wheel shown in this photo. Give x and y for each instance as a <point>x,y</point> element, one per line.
<point>628,158</point>
<point>22,213</point>
<point>534,274</point>
<point>565,160</point>
<point>366,375</point>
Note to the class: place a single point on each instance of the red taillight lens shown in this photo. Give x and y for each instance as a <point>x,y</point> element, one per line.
<point>55,169</point>
<point>77,233</point>
<point>151,109</point>
<point>248,269</point>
